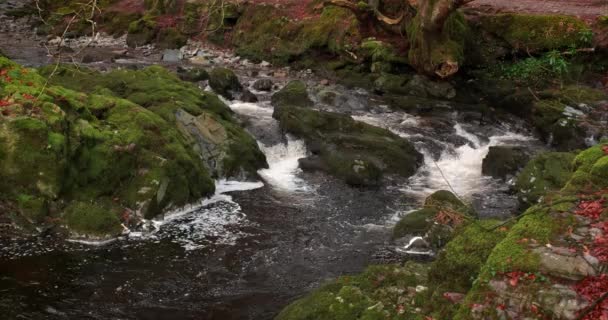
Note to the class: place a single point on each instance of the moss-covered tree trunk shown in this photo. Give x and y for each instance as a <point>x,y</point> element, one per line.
<point>436,36</point>
<point>435,33</point>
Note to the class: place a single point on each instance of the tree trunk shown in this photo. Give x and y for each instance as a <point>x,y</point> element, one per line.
<point>436,34</point>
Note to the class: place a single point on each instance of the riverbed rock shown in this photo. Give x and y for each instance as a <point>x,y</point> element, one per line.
<point>172,55</point>
<point>294,94</point>
<point>263,84</point>
<point>224,82</point>
<point>192,74</point>
<point>248,96</point>
<point>353,151</point>
<point>504,161</point>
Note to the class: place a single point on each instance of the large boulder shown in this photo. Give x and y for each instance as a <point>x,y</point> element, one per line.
<point>294,94</point>
<point>504,161</point>
<point>113,155</point>
<point>353,151</point>
<point>224,82</point>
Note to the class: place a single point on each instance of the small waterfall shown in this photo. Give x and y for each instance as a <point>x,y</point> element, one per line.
<point>283,165</point>
<point>461,167</point>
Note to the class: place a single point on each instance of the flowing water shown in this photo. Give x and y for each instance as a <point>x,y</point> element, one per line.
<point>255,246</point>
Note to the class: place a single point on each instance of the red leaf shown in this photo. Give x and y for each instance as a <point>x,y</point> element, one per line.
<point>605,149</point>
<point>592,288</point>
<point>590,209</point>
<point>4,103</point>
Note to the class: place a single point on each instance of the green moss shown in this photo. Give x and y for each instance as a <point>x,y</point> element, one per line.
<point>537,32</point>
<point>171,38</point>
<point>545,173</point>
<point>142,32</point>
<point>590,170</point>
<point>374,294</point>
<point>35,209</point>
<point>262,32</point>
<point>459,264</point>
<point>91,219</point>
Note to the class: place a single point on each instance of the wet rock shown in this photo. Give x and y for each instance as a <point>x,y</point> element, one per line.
<point>263,85</point>
<point>294,94</point>
<point>504,161</point>
<point>353,151</point>
<point>224,82</point>
<point>248,96</point>
<point>564,266</point>
<point>209,136</point>
<point>172,55</point>
<point>193,74</point>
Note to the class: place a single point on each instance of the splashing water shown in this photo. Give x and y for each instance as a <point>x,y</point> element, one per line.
<point>283,165</point>
<point>461,168</point>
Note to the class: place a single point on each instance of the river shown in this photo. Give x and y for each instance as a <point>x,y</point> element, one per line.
<point>255,246</point>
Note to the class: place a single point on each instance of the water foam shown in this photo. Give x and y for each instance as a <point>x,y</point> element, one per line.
<point>460,168</point>
<point>283,165</point>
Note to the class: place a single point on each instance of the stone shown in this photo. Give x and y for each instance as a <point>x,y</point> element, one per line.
<point>263,84</point>
<point>208,135</point>
<point>224,82</point>
<point>504,161</point>
<point>248,96</point>
<point>192,75</point>
<point>573,268</point>
<point>294,94</point>
<point>172,55</point>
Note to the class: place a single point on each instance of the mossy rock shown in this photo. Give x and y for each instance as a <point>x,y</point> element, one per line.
<point>294,94</point>
<point>369,295</point>
<point>224,82</point>
<point>193,75</point>
<point>416,223</point>
<point>353,151</point>
<point>422,222</point>
<point>504,161</point>
<point>164,94</point>
<point>459,264</point>
<point>74,152</point>
<point>92,220</point>
<point>590,170</point>
<point>171,38</point>
<point>534,33</point>
<point>545,173</point>
<point>141,32</point>
<point>444,200</point>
